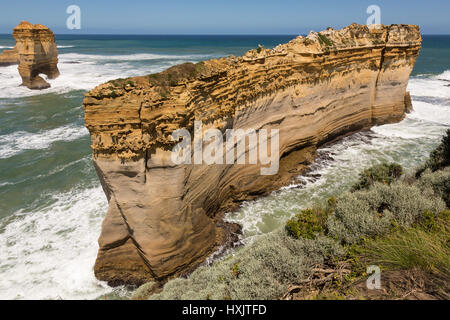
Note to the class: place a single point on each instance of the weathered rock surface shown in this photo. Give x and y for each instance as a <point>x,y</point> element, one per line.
<point>164,219</point>
<point>9,57</point>
<point>37,54</point>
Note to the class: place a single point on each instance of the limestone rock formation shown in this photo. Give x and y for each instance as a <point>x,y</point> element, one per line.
<point>163,218</point>
<point>37,54</point>
<point>9,57</point>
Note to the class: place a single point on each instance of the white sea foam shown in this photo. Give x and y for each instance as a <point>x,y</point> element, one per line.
<point>438,114</point>
<point>128,57</point>
<point>434,86</point>
<point>444,76</point>
<point>49,253</point>
<point>84,72</point>
<point>19,141</point>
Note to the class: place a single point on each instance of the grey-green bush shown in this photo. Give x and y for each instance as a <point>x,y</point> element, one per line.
<point>438,181</point>
<point>371,212</point>
<point>144,291</point>
<point>383,173</point>
<point>439,158</point>
<point>265,269</point>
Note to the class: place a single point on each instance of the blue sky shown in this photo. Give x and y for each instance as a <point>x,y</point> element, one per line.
<point>221,17</point>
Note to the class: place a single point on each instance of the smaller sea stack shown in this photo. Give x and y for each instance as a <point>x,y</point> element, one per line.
<point>37,54</point>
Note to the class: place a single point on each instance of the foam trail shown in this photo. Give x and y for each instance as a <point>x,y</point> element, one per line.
<point>19,141</point>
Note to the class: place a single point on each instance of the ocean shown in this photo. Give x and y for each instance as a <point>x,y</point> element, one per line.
<point>51,201</point>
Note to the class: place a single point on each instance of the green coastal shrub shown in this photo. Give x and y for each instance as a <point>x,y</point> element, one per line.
<point>261,270</point>
<point>307,224</point>
<point>438,181</point>
<point>324,40</point>
<point>383,173</point>
<point>406,203</point>
<point>144,291</point>
<point>353,219</point>
<point>439,158</point>
<point>372,212</point>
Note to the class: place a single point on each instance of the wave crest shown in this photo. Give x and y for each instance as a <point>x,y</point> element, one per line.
<point>20,141</point>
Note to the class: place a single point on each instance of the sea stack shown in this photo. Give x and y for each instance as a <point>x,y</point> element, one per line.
<point>37,54</point>
<point>164,219</point>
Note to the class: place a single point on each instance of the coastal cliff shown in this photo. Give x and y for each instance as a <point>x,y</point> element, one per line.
<point>164,219</point>
<point>36,53</point>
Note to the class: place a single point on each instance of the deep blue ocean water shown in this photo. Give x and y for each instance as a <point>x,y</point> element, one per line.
<point>51,202</point>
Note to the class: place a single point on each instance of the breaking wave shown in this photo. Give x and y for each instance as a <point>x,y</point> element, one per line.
<point>48,253</point>
<point>19,141</point>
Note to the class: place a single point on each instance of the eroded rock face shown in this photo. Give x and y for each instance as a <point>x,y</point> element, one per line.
<point>9,57</point>
<point>37,53</point>
<point>163,218</point>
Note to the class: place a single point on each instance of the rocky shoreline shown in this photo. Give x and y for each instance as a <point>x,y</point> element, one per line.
<point>164,219</point>
<point>390,220</point>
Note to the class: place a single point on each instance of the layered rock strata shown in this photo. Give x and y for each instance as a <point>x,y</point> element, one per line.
<point>9,57</point>
<point>37,54</point>
<point>166,218</point>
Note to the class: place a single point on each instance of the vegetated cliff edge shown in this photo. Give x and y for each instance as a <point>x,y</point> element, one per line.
<point>165,219</point>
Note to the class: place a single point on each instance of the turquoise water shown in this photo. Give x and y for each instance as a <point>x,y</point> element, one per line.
<point>51,202</point>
